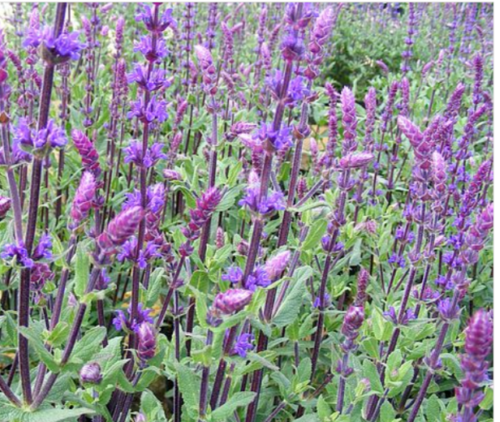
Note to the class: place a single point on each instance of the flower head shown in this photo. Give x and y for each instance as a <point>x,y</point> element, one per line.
<point>87,151</point>
<point>233,274</point>
<point>122,322</point>
<point>244,344</point>
<point>91,373</point>
<point>146,338</point>
<point>4,205</point>
<point>231,301</point>
<point>84,198</point>
<point>276,265</point>
<point>120,229</point>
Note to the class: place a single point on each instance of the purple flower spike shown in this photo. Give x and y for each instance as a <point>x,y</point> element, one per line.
<point>352,321</point>
<point>354,161</point>
<point>322,30</point>
<point>19,252</point>
<point>91,373</point>
<point>382,66</point>
<point>231,301</point>
<point>146,337</point>
<point>478,341</point>
<point>120,229</point>
<point>4,205</point>
<point>439,171</point>
<point>233,275</point>
<point>363,280</point>
<point>349,120</point>
<point>244,344</point>
<point>84,198</point>
<point>86,149</point>
<point>276,265</point>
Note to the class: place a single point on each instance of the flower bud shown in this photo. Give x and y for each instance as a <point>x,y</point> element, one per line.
<point>146,337</point>
<point>4,205</point>
<point>91,373</point>
<point>231,301</point>
<point>276,265</point>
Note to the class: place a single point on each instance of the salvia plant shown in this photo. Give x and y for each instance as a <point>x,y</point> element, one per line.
<point>246,212</point>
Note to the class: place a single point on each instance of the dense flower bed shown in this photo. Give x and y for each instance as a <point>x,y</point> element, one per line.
<point>246,212</point>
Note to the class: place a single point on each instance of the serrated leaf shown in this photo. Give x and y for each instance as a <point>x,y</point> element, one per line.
<point>315,234</point>
<point>189,386</point>
<point>239,399</point>
<point>289,309</point>
<point>89,344</point>
<point>36,342</point>
<point>370,371</point>
<point>82,270</point>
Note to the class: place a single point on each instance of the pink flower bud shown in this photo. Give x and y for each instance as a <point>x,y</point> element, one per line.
<point>231,301</point>
<point>276,265</point>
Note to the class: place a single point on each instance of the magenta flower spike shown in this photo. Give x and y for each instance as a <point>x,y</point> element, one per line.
<point>231,301</point>
<point>84,198</point>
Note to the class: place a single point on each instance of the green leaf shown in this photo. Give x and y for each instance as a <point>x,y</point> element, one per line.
<point>315,234</point>
<point>228,200</point>
<point>387,413</point>
<point>487,402</point>
<point>58,335</point>
<point>14,414</point>
<point>370,371</point>
<point>189,385</point>
<point>323,408</point>
<point>36,342</point>
<point>82,271</point>
<point>239,399</point>
<point>88,345</point>
<point>152,407</point>
<point>433,408</point>
<point>289,309</point>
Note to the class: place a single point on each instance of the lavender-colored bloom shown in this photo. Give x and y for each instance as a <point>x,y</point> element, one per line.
<point>231,301</point>
<point>44,248</point>
<point>159,25</point>
<point>243,344</point>
<point>478,342</point>
<point>120,229</point>
<point>322,30</point>
<point>152,54</point>
<point>407,316</point>
<point>448,311</point>
<point>205,207</point>
<point>66,46</point>
<point>171,175</point>
<point>84,199</point>
<point>455,101</point>
<point>258,278</point>
<point>353,320</point>
<point>146,339</point>
<point>149,81</point>
<point>276,265</point>
<point>363,279</point>
<point>297,90</point>
<point>133,154</point>
<point>40,274</point>
<point>91,373</point>
<point>19,252</point>
<point>123,322</point>
<point>292,46</point>
<point>40,141</point>
<point>155,110</point>
<point>280,139</point>
<point>233,274</point>
<point>382,66</point>
<point>140,417</point>
<point>87,151</point>
<point>326,301</point>
<point>349,120</point>
<point>353,161</point>
<point>438,172</point>
<point>397,260</point>
<point>4,205</point>
<point>128,252</point>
